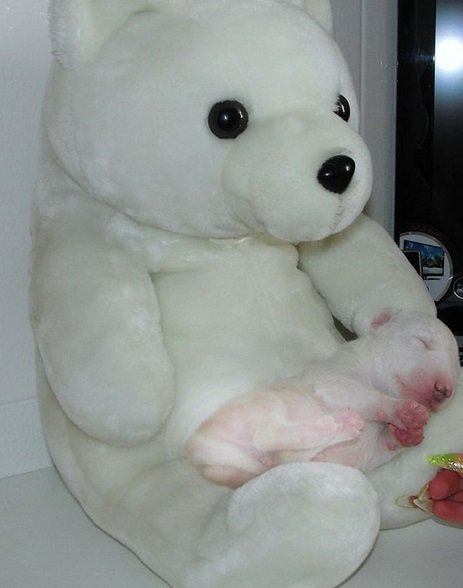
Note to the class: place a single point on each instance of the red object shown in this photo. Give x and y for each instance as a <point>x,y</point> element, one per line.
<point>446,491</point>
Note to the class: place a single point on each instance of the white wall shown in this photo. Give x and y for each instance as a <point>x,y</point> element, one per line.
<point>24,54</point>
<point>367,33</point>
<point>365,29</point>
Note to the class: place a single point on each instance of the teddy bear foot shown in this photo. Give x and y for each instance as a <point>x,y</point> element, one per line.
<point>289,527</point>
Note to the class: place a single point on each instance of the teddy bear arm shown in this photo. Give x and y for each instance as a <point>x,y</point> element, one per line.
<point>360,272</point>
<point>97,324</point>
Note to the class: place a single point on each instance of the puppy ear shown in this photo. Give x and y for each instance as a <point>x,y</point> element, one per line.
<point>381,319</point>
<point>319,10</point>
<point>78,28</point>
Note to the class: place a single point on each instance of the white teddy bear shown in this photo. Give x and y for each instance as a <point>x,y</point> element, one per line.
<point>197,225</point>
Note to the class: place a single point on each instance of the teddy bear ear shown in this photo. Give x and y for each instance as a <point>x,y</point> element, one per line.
<point>320,10</point>
<point>78,28</point>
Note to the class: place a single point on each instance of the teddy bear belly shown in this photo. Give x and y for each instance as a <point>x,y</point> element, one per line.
<point>230,327</point>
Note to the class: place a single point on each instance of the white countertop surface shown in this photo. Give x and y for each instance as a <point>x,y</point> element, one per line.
<point>46,541</point>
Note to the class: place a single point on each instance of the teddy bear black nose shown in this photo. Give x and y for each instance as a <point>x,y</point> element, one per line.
<point>336,173</point>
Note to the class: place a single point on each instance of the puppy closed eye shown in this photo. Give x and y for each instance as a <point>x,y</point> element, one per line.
<point>423,342</point>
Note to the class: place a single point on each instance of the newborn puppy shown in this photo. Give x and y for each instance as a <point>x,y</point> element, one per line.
<point>356,408</point>
<point>393,399</point>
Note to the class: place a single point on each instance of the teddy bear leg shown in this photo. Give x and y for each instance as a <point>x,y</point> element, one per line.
<point>290,527</point>
<point>286,528</point>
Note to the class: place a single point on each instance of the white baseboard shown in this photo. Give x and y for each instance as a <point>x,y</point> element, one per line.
<point>22,447</point>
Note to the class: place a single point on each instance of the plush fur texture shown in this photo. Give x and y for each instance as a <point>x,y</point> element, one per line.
<point>174,271</point>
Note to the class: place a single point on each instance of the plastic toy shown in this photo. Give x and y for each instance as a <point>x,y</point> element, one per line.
<point>450,461</point>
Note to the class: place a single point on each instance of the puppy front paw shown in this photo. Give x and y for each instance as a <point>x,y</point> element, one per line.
<point>408,425</point>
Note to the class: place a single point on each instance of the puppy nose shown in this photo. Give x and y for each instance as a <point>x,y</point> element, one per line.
<point>441,393</point>
<point>336,173</point>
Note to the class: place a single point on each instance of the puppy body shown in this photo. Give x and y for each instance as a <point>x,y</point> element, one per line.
<point>357,408</point>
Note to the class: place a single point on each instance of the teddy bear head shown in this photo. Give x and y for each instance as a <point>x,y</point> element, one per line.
<point>211,118</point>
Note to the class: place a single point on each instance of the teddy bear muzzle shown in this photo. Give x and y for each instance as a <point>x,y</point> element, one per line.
<point>297,177</point>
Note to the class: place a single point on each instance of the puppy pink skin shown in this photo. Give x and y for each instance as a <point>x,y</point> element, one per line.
<point>427,387</point>
<point>251,434</point>
<point>371,398</point>
<point>408,423</point>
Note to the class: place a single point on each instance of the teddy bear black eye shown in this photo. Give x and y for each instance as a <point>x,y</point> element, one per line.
<point>228,119</point>
<point>343,108</point>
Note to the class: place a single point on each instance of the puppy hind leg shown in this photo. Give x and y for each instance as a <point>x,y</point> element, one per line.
<point>224,462</point>
<point>249,435</point>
